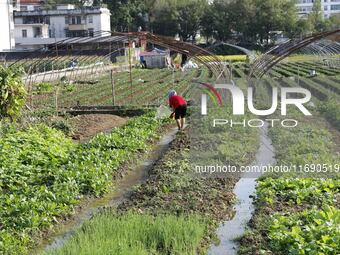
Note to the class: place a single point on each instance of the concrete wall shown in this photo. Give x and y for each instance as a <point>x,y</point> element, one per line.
<point>6,26</point>
<point>105,20</point>
<point>58,26</point>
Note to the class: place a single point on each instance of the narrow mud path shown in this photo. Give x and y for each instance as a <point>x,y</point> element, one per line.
<point>244,191</point>
<point>136,176</point>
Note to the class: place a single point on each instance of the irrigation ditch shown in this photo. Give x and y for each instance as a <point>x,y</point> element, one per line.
<point>229,231</point>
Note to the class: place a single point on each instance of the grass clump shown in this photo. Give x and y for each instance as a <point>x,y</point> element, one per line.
<point>137,234</point>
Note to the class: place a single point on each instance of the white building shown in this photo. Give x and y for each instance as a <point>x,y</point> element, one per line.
<point>6,25</point>
<point>329,7</point>
<point>38,26</point>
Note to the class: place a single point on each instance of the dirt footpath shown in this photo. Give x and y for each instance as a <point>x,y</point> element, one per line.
<point>86,126</point>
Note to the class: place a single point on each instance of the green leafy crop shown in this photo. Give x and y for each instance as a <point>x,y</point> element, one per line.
<point>43,174</point>
<point>312,232</point>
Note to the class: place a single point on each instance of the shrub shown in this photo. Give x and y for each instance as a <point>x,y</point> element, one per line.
<point>12,93</point>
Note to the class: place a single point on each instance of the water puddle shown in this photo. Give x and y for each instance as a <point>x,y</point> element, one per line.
<point>122,190</point>
<point>244,189</point>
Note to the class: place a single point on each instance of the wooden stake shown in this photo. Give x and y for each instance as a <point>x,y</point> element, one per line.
<point>130,68</point>
<point>113,88</point>
<point>56,100</point>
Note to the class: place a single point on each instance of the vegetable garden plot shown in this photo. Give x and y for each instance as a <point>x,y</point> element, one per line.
<point>148,87</point>
<point>308,67</point>
<point>171,191</point>
<point>328,83</point>
<point>43,174</point>
<point>304,212</point>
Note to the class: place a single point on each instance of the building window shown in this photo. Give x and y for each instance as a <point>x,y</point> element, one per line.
<point>90,19</point>
<point>33,20</point>
<point>75,20</point>
<point>305,1</point>
<point>335,7</point>
<point>37,32</point>
<point>67,33</point>
<point>91,32</point>
<point>66,20</point>
<point>47,20</point>
<point>24,33</point>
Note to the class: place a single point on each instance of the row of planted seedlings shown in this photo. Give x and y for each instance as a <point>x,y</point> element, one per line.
<point>146,91</point>
<point>98,93</point>
<point>304,207</point>
<point>44,175</point>
<point>324,88</point>
<point>298,210</point>
<point>201,75</point>
<point>44,93</point>
<point>89,91</point>
<point>178,208</point>
<point>156,92</point>
<point>182,84</point>
<point>305,68</point>
<point>160,76</point>
<point>323,100</point>
<point>124,92</point>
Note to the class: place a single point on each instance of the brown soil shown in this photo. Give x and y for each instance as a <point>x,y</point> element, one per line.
<point>86,126</point>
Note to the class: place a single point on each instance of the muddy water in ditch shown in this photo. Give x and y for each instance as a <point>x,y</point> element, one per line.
<point>244,189</point>
<point>123,188</point>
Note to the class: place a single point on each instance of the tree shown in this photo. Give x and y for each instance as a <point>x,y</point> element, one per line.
<point>12,93</point>
<point>271,15</point>
<point>208,22</point>
<point>221,19</point>
<point>125,15</point>
<point>302,27</point>
<point>334,22</point>
<point>221,16</point>
<point>164,18</point>
<point>316,17</point>
<point>181,17</point>
<point>190,13</point>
